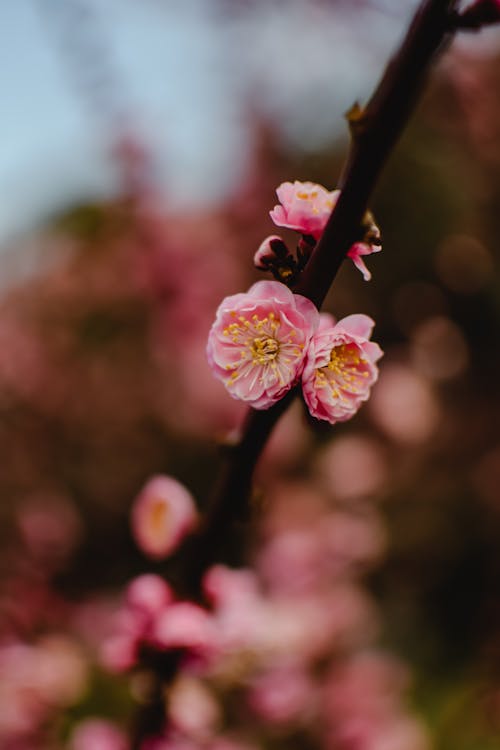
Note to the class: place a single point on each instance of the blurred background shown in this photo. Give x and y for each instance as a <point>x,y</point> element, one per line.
<point>141,145</point>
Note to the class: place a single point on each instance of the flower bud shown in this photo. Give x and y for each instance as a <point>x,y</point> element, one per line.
<point>149,593</point>
<point>271,249</point>
<point>162,515</point>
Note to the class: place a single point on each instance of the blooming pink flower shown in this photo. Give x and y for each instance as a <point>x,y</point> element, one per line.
<point>340,367</point>
<point>162,515</point>
<point>356,252</point>
<point>258,342</point>
<point>305,207</point>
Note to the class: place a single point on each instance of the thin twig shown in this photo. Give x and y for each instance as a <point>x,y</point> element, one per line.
<point>375,131</point>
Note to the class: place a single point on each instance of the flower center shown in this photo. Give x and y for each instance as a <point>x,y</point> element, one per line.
<point>264,349</point>
<point>262,346</point>
<point>340,359</point>
<point>158,520</point>
<point>346,371</point>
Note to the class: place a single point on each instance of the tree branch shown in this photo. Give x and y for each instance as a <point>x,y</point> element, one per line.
<point>375,131</point>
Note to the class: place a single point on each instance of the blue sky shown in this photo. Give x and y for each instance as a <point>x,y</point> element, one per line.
<point>72,72</point>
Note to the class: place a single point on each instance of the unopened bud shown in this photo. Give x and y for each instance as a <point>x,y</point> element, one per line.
<point>269,251</point>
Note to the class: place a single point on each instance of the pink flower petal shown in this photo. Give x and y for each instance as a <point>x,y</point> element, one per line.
<point>258,342</point>
<point>340,369</point>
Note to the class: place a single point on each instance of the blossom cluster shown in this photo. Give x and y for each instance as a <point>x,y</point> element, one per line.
<point>265,341</point>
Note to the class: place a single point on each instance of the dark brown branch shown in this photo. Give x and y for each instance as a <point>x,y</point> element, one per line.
<point>229,504</point>
<point>376,130</point>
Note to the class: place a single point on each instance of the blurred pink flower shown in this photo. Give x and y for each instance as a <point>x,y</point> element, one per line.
<point>187,627</point>
<point>119,650</point>
<point>223,585</point>
<point>340,367</point>
<point>369,684</point>
<point>283,695</point>
<point>97,734</point>
<point>151,618</point>
<point>149,594</point>
<point>37,680</point>
<point>405,405</point>
<point>363,706</point>
<point>294,560</point>
<point>163,514</point>
<point>305,207</point>
<point>258,342</point>
<point>192,708</point>
<point>239,608</point>
<point>352,466</point>
<point>147,597</point>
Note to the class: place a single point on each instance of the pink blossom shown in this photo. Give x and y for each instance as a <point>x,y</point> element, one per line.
<point>405,406</point>
<point>162,515</point>
<point>222,585</point>
<point>363,706</point>
<point>120,649</point>
<point>294,560</point>
<point>352,467</point>
<point>98,734</point>
<point>305,207</point>
<point>188,627</point>
<point>149,594</point>
<point>118,653</point>
<point>340,367</point>
<point>36,680</point>
<point>283,694</point>
<point>193,710</point>
<point>147,597</point>
<point>258,342</point>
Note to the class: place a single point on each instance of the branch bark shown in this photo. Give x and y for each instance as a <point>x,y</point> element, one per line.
<point>375,131</point>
